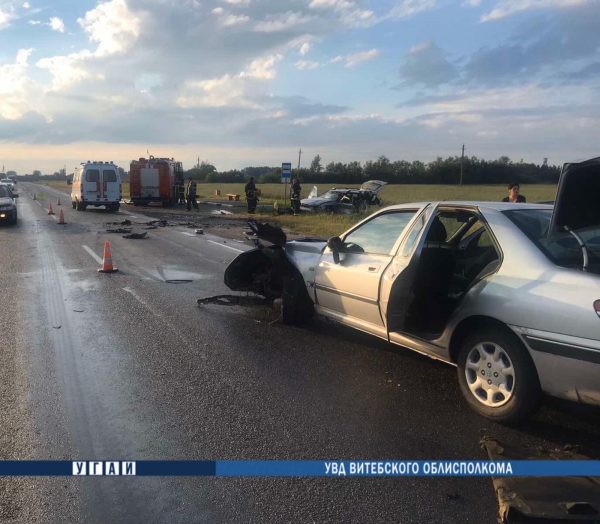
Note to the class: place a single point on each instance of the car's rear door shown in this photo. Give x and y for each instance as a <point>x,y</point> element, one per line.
<point>350,289</point>
<point>92,185</point>
<point>110,185</point>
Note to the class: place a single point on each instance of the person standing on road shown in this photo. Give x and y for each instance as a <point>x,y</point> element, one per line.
<point>251,197</point>
<point>190,195</point>
<point>295,191</point>
<point>513,194</point>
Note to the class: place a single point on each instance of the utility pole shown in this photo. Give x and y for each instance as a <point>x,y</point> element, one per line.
<point>299,157</point>
<point>462,158</point>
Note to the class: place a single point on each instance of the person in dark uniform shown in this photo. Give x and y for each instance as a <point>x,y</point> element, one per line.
<point>295,191</point>
<point>513,194</point>
<point>190,195</point>
<point>251,197</point>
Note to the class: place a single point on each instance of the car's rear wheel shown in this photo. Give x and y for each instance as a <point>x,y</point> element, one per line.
<point>497,376</point>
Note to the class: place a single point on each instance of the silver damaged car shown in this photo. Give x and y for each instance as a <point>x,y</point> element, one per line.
<point>508,293</point>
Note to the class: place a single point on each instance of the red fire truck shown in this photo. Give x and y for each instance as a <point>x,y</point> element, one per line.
<point>155,180</point>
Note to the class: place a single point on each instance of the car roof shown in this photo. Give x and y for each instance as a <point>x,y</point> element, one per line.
<point>481,204</point>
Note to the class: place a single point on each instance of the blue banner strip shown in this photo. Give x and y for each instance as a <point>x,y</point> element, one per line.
<point>305,468</point>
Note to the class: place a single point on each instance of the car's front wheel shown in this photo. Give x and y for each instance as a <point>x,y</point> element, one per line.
<point>497,376</point>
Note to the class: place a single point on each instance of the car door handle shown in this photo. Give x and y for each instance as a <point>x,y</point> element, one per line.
<point>373,268</point>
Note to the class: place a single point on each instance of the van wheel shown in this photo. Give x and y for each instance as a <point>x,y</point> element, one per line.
<point>114,208</point>
<point>79,206</point>
<point>497,376</point>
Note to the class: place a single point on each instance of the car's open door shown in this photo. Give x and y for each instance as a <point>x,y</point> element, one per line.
<point>348,278</point>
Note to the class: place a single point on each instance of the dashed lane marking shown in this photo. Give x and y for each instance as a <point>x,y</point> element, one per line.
<point>228,247</point>
<point>92,254</point>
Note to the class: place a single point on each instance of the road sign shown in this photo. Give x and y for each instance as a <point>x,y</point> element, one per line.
<point>286,172</point>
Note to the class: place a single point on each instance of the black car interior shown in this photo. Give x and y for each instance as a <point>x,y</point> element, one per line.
<point>456,253</point>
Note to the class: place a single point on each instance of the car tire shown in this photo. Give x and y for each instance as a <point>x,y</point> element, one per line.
<point>13,220</point>
<point>497,376</point>
<point>74,204</point>
<point>79,205</point>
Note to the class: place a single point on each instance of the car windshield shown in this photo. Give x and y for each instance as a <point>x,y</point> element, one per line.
<point>561,247</point>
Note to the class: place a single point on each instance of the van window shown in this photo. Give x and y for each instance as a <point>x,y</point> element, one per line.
<point>109,175</point>
<point>92,175</point>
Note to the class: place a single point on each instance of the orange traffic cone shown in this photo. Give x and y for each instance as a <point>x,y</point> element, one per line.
<point>107,265</point>
<point>61,218</point>
<point>58,203</point>
<point>50,212</point>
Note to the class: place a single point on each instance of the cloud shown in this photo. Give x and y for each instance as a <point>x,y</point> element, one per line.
<point>426,64</point>
<point>408,8</point>
<point>56,24</point>
<point>354,59</point>
<point>6,15</point>
<point>231,20</point>
<point>14,85</point>
<point>35,22</point>
<point>348,11</point>
<point>282,22</point>
<point>26,5</point>
<point>541,48</point>
<point>112,25</point>
<point>304,48</point>
<point>237,2</point>
<point>509,7</point>
<point>230,90</point>
<point>306,64</point>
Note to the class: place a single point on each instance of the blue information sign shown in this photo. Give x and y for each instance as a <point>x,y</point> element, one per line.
<point>286,172</point>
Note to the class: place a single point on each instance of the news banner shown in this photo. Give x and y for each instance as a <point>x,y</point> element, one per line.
<point>303,468</point>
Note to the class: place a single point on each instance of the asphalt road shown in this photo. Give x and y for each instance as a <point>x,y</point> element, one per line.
<point>126,366</point>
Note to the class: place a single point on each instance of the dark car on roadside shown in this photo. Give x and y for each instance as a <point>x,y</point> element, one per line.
<point>344,200</point>
<point>8,206</point>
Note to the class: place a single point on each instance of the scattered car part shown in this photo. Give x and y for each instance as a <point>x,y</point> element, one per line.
<point>543,499</point>
<point>136,236</point>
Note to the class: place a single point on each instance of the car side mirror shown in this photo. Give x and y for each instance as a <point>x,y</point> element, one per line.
<point>15,195</point>
<point>335,244</point>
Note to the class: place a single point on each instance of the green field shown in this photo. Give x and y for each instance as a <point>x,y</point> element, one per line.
<point>336,224</point>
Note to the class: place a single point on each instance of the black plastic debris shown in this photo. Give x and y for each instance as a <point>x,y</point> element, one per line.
<point>548,500</point>
<point>235,300</point>
<point>120,230</point>
<point>136,236</point>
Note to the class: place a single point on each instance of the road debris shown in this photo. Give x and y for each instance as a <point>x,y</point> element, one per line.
<point>136,236</point>
<point>120,230</point>
<point>235,300</point>
<point>199,231</point>
<point>551,499</point>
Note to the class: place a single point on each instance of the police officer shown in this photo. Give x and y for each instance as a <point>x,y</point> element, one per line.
<point>295,191</point>
<point>251,198</point>
<point>190,195</point>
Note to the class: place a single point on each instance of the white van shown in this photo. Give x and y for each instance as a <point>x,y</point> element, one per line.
<point>96,184</point>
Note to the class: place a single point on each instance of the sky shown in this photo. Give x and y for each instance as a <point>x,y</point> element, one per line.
<point>250,82</point>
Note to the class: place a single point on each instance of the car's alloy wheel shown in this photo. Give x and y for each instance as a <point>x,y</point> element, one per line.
<point>497,375</point>
<point>490,374</point>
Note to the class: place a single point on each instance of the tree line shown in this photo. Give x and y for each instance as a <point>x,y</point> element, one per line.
<point>440,171</point>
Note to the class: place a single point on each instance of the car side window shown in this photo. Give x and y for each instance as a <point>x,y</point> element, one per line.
<point>378,235</point>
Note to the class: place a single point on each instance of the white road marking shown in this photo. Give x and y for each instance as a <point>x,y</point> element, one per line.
<point>92,254</point>
<point>188,234</point>
<point>223,245</point>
